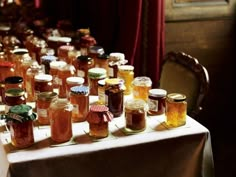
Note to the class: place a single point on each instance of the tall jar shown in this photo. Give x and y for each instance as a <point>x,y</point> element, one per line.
<point>157,101</point>
<point>60,113</point>
<point>114,96</point>
<point>126,72</point>
<point>94,75</point>
<point>176,109</point>
<point>79,98</point>
<point>43,102</point>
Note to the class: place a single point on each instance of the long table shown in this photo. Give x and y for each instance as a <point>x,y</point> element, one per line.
<point>158,151</point>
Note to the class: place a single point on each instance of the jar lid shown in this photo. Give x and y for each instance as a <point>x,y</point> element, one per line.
<point>20,113</point>
<point>114,81</point>
<point>102,114</point>
<point>103,56</point>
<point>13,80</point>
<point>66,47</point>
<point>46,96</point>
<point>126,67</point>
<point>20,51</point>
<point>176,97</point>
<point>101,82</point>
<point>4,27</point>
<point>117,56</point>
<point>57,64</point>
<point>49,58</point>
<point>59,39</point>
<point>157,92</point>
<point>84,58</point>
<point>6,64</point>
<point>96,49</point>
<point>43,78</point>
<point>142,81</point>
<point>99,108</point>
<point>97,73</point>
<point>75,80</point>
<point>136,104</point>
<point>12,92</point>
<point>83,90</point>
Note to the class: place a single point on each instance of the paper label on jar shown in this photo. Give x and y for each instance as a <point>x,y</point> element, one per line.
<point>42,112</point>
<point>153,105</point>
<point>110,72</point>
<point>75,109</point>
<point>0,98</point>
<point>59,81</point>
<point>80,73</point>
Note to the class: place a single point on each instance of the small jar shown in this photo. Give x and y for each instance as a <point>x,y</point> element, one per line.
<point>43,102</point>
<point>71,82</point>
<point>101,91</point>
<point>141,86</point>
<point>20,122</point>
<point>42,83</point>
<point>94,75</point>
<point>17,58</point>
<point>176,109</point>
<point>98,118</point>
<point>115,60</point>
<point>135,115</point>
<point>7,69</point>
<point>114,95</point>
<point>126,72</point>
<point>156,101</point>
<point>63,53</point>
<point>14,96</point>
<point>14,82</point>
<point>46,60</point>
<point>79,98</point>
<point>60,113</point>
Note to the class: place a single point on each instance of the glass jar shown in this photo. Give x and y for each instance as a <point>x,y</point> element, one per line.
<point>94,52</point>
<point>46,60</point>
<point>56,41</point>
<point>54,68</point>
<point>98,118</point>
<point>43,102</point>
<point>126,72</point>
<point>42,83</point>
<point>141,86</point>
<point>176,109</point>
<point>94,75</point>
<point>20,122</point>
<point>60,113</point>
<point>71,82</point>
<point>101,91</point>
<point>7,69</point>
<point>79,98</point>
<point>114,96</point>
<point>102,61</point>
<point>135,115</point>
<point>156,101</point>
<point>14,96</point>
<point>115,59</point>
<point>63,53</point>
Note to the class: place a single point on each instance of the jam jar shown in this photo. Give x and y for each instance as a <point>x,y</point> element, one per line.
<point>126,72</point>
<point>63,53</point>
<point>42,83</point>
<point>46,60</point>
<point>20,122</point>
<point>114,95</point>
<point>79,98</point>
<point>156,101</point>
<point>176,109</point>
<point>135,115</point>
<point>14,96</point>
<point>43,102</point>
<point>94,75</point>
<point>115,59</point>
<point>98,119</point>
<point>60,113</point>
<point>94,52</point>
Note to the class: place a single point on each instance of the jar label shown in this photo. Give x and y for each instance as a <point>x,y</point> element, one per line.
<point>59,81</point>
<point>75,109</point>
<point>153,105</point>
<point>80,73</point>
<point>42,112</point>
<point>110,72</point>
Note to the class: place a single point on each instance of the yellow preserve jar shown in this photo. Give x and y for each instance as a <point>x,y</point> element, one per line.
<point>176,109</point>
<point>126,72</point>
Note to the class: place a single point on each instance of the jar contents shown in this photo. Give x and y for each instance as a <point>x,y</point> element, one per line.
<point>126,72</point>
<point>98,118</point>
<point>176,109</point>
<point>135,115</point>
<point>156,101</point>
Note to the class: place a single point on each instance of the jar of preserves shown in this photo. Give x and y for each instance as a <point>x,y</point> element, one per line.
<point>63,53</point>
<point>7,69</point>
<point>79,98</point>
<point>20,122</point>
<point>156,101</point>
<point>46,60</point>
<point>38,45</point>
<point>176,109</point>
<point>54,68</point>
<point>141,86</point>
<point>101,91</point>
<point>94,75</point>
<point>43,102</point>
<point>98,119</point>
<point>42,83</point>
<point>71,82</point>
<point>102,61</point>
<point>94,52</point>
<point>115,59</point>
<point>60,113</point>
<point>56,41</point>
<point>14,96</point>
<point>135,115</point>
<point>114,96</point>
<point>126,72</point>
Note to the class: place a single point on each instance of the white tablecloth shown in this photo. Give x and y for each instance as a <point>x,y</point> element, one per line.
<point>158,151</point>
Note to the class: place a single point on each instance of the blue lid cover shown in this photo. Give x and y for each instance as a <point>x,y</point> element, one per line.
<point>83,90</point>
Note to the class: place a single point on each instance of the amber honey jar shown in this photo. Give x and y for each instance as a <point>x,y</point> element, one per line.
<point>60,113</point>
<point>135,115</point>
<point>94,75</point>
<point>20,122</point>
<point>43,102</point>
<point>176,109</point>
<point>98,119</point>
<point>79,98</point>
<point>114,96</point>
<point>141,86</point>
<point>126,72</point>
<point>156,101</point>
<point>18,57</point>
<point>42,83</point>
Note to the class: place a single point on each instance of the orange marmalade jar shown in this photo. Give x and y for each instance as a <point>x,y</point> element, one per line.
<point>43,102</point>
<point>60,113</point>
<point>79,98</point>
<point>20,121</point>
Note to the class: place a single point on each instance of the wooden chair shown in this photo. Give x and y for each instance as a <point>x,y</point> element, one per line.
<point>182,73</point>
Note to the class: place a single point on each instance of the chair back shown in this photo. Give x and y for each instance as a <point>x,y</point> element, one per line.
<point>182,73</point>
